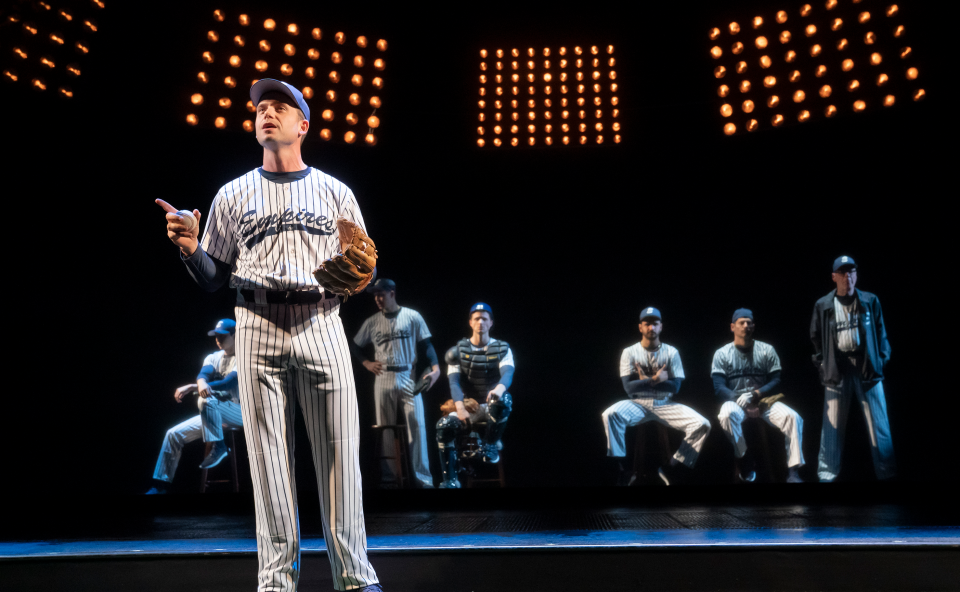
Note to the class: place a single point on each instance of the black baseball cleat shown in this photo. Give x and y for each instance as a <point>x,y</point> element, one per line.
<point>794,475</point>
<point>218,452</point>
<point>491,454</point>
<point>673,474</point>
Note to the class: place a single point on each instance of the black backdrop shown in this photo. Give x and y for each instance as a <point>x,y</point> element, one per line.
<point>566,243</point>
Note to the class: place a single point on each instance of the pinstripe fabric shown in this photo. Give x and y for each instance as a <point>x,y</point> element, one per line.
<point>619,416</point>
<point>214,413</point>
<point>778,415</point>
<point>207,425</point>
<point>277,233</point>
<point>836,410</point>
<point>651,361</point>
<point>392,389</point>
<point>299,352</point>
<point>394,339</point>
<point>848,325</point>
<point>746,371</point>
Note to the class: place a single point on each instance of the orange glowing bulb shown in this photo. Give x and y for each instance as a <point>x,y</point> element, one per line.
<point>90,26</point>
<point>716,52</point>
<point>805,10</point>
<point>73,70</point>
<point>773,101</point>
<point>785,37</point>
<point>354,99</point>
<point>211,35</point>
<point>769,81</point>
<point>81,48</point>
<point>744,86</point>
<point>875,59</point>
<point>912,74</point>
<point>859,106</point>
<point>218,16</point>
<point>830,111</point>
<point>726,110</point>
<point>377,82</point>
<point>239,41</point>
<point>207,57</point>
<point>761,42</point>
<point>863,17</point>
<point>765,61</point>
<point>836,24</point>
<point>794,76</point>
<point>373,121</point>
<point>781,16</point>
<point>247,125</point>
<point>244,20</point>
<point>889,100</point>
<point>230,82</point>
<point>352,118</point>
<point>831,4</point>
<point>882,79</point>
<point>811,30</point>
<point>790,56</point>
<point>379,64</point>
<point>799,96</point>
<point>264,45</point>
<point>382,46</point>
<point>269,24</point>
<point>825,91</point>
<point>375,102</point>
<point>220,122</point>
<point>719,72</point>
<point>334,76</point>
<point>225,103</point>
<point>358,61</point>
<point>741,67</point>
<point>898,31</point>
<point>821,71</point>
<point>250,107</point>
<point>191,119</point>
<point>339,37</point>
<point>905,52</point>
<point>350,137</point>
<point>734,28</point>
<point>331,95</point>
<point>747,106</point>
<point>842,44</point>
<point>729,129</point>
<point>235,61</point>
<point>196,99</point>
<point>371,140</point>
<point>724,90</point>
<point>919,94</point>
<point>336,58</point>
<point>803,116</point>
<point>777,120</point>
<point>870,38</point>
<point>815,50</point>
<point>751,125</point>
<point>327,115</point>
<point>286,69</point>
<point>853,85</point>
<point>737,48</point>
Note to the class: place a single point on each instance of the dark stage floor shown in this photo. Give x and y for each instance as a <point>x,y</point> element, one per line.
<point>539,542</point>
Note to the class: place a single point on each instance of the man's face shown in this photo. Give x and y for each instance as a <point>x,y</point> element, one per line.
<point>224,341</point>
<point>650,328</point>
<point>278,121</point>
<point>742,328</point>
<point>481,322</point>
<point>385,299</point>
<point>845,279</point>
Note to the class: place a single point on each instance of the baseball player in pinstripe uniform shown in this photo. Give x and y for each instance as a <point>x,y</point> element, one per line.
<point>217,386</point>
<point>400,337</point>
<point>267,231</point>
<point>850,340</point>
<point>651,373</point>
<point>744,372</point>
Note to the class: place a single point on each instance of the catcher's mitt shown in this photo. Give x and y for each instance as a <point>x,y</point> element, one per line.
<point>451,407</point>
<point>767,402</point>
<point>350,270</point>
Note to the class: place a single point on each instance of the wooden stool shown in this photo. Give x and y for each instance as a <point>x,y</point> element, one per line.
<point>660,446</point>
<point>469,449</point>
<point>231,459</point>
<point>399,446</point>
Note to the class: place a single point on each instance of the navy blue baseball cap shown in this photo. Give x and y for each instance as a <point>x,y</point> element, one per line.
<point>482,307</point>
<point>742,313</point>
<point>650,312</point>
<point>224,327</point>
<point>844,261</point>
<point>265,85</point>
<point>383,285</point>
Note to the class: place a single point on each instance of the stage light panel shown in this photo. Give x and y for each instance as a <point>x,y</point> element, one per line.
<point>279,52</point>
<point>856,52</point>
<point>538,77</point>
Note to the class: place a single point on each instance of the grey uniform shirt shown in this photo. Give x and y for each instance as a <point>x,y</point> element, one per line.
<point>746,371</point>
<point>394,339</point>
<point>650,362</point>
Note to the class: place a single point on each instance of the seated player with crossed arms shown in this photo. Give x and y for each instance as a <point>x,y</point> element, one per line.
<point>479,369</point>
<point>651,373</point>
<point>217,386</point>
<point>746,375</point>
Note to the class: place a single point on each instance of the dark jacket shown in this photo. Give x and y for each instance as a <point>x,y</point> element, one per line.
<point>873,338</point>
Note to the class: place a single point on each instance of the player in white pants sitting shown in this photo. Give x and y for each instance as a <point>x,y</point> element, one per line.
<point>744,372</point>
<point>651,373</point>
<point>217,386</point>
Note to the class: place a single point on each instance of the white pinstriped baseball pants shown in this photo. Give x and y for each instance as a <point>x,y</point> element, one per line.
<point>209,425</point>
<point>778,415</point>
<point>836,409</point>
<point>299,352</point>
<point>619,416</point>
<point>391,388</point>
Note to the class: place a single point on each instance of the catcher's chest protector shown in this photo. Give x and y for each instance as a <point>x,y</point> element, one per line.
<point>481,368</point>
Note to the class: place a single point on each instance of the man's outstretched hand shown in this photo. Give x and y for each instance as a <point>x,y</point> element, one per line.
<point>178,232</point>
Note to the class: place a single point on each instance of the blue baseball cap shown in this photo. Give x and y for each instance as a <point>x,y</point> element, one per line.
<point>742,313</point>
<point>224,327</point>
<point>844,261</point>
<point>650,312</point>
<point>383,285</point>
<point>482,307</point>
<point>265,85</point>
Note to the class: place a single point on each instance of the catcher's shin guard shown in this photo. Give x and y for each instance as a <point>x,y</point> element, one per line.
<point>447,429</point>
<point>498,413</point>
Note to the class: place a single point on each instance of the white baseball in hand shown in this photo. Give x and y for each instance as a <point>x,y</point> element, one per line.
<point>188,220</point>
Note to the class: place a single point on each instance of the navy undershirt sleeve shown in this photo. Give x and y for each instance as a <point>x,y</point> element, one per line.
<point>772,385</point>
<point>720,388</point>
<point>671,386</point>
<point>209,273</point>
<point>636,385</point>
<point>207,373</point>
<point>456,393</point>
<point>425,351</point>
<point>227,383</point>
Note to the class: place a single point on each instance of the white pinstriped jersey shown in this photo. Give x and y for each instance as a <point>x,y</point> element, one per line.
<point>650,362</point>
<point>395,339</point>
<point>848,325</point>
<point>224,365</point>
<point>275,233</point>
<point>746,371</point>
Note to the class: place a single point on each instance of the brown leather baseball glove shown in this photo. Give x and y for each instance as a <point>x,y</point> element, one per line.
<point>350,270</point>
<point>451,407</point>
<point>767,402</point>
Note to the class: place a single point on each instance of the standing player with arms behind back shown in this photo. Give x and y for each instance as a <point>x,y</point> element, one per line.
<point>268,232</point>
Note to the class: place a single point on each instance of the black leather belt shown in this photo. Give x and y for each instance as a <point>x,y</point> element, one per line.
<point>403,368</point>
<point>283,296</point>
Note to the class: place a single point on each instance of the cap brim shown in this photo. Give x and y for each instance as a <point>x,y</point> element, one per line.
<point>650,317</point>
<point>266,85</point>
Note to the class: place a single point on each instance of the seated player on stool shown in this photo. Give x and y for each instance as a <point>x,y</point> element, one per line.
<point>651,373</point>
<point>400,337</point>
<point>745,373</point>
<point>479,369</point>
<point>217,386</point>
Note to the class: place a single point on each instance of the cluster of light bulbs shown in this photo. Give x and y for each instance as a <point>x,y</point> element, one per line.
<point>871,71</point>
<point>520,89</point>
<point>37,44</point>
<point>286,49</point>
